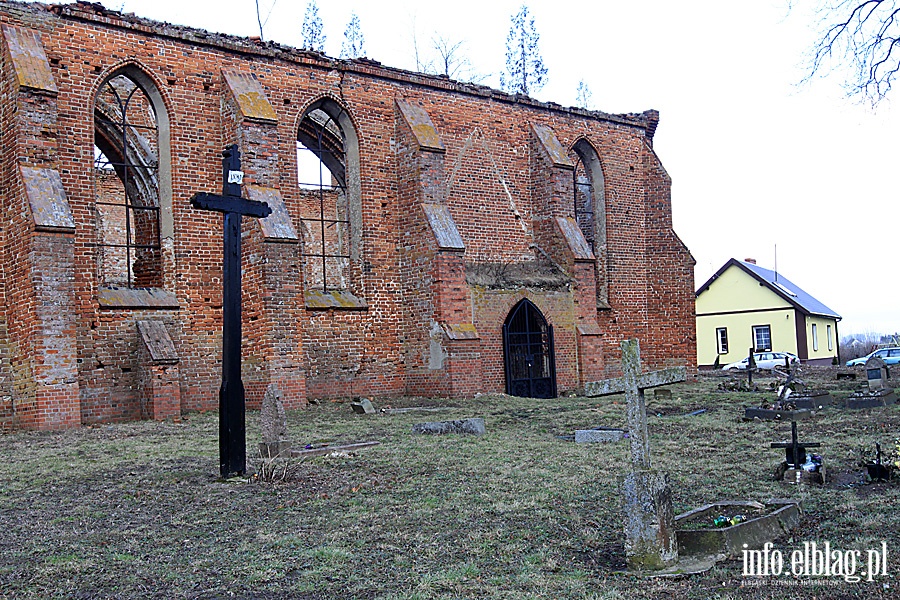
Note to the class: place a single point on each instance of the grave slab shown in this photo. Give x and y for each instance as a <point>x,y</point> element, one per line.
<point>464,426</point>
<point>877,399</point>
<point>788,474</point>
<point>813,400</point>
<point>594,436</point>
<point>329,449</point>
<point>766,414</point>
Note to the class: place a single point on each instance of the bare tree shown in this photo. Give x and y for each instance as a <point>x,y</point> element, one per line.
<point>449,55</point>
<point>864,36</point>
<point>444,56</point>
<point>262,22</point>
<point>452,61</point>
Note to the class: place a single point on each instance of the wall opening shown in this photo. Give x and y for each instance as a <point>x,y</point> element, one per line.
<point>528,353</point>
<point>127,191</point>
<point>590,210</point>
<point>328,178</point>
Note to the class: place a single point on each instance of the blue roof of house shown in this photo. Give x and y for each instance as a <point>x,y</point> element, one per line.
<point>778,284</point>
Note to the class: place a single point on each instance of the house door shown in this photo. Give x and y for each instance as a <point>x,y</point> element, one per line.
<point>528,353</point>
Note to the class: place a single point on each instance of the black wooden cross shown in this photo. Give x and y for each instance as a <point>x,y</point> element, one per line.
<point>232,431</point>
<point>795,453</point>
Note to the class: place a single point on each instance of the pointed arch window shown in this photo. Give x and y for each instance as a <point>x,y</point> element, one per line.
<point>127,183</point>
<point>328,178</point>
<point>589,202</point>
<point>584,202</point>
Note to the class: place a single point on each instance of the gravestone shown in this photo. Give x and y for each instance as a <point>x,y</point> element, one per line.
<point>273,424</point>
<point>650,541</point>
<point>878,393</point>
<point>232,426</point>
<point>363,406</point>
<point>876,374</point>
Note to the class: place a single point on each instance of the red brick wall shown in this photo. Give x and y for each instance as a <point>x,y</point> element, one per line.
<point>15,334</point>
<point>490,180</point>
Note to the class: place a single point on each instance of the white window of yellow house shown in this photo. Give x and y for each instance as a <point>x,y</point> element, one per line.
<point>722,340</point>
<point>815,337</point>
<point>828,335</point>
<point>762,337</point>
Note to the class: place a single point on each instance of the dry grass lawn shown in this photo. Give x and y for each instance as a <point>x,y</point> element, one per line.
<point>136,510</point>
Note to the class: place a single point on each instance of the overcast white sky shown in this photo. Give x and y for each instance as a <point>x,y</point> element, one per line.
<point>756,161</point>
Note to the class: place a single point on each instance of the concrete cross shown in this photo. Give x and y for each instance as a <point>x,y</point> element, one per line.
<point>232,429</point>
<point>650,541</point>
<point>633,383</point>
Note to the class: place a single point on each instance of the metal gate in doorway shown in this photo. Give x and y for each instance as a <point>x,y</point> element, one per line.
<point>528,353</point>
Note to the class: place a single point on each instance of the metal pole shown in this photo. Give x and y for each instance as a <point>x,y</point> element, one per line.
<point>795,445</point>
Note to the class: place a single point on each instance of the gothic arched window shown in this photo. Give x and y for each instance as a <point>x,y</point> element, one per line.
<point>590,210</point>
<point>127,196</point>
<point>328,177</point>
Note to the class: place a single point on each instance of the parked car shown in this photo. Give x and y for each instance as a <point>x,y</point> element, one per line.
<point>765,360</point>
<point>890,356</point>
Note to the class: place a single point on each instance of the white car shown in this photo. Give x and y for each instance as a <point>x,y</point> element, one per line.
<point>764,360</point>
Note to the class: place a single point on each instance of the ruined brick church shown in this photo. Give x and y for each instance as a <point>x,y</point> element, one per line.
<point>427,237</point>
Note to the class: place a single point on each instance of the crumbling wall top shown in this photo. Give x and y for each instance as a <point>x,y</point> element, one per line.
<point>97,13</point>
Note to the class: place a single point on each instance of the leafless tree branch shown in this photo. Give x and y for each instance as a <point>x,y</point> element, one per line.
<point>449,59</point>
<point>862,35</point>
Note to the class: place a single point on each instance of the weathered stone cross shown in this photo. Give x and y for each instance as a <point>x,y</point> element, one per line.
<point>650,541</point>
<point>232,429</point>
<point>633,383</point>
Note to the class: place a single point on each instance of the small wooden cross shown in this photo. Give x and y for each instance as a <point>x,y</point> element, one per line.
<point>232,429</point>
<point>633,383</point>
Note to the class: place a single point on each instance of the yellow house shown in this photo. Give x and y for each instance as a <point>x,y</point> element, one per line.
<point>744,306</point>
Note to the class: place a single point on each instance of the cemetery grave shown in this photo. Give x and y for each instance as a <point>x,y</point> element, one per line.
<point>752,525</point>
<point>795,403</point>
<point>881,466</point>
<point>798,465</point>
<point>513,513</point>
<point>878,391</point>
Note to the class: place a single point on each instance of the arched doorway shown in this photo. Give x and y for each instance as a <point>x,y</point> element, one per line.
<point>528,353</point>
